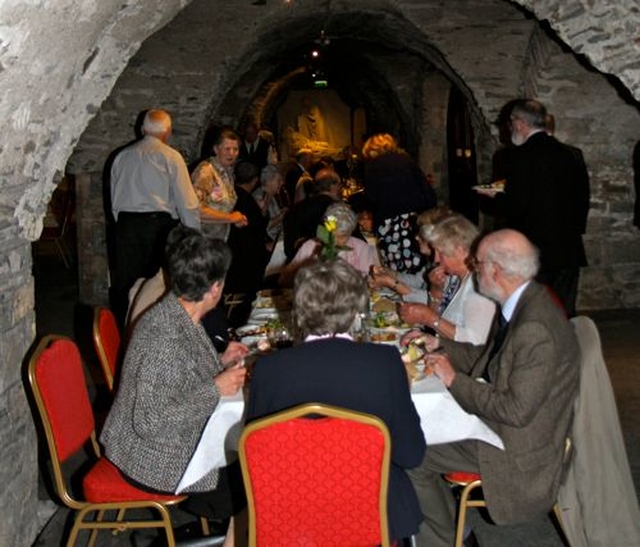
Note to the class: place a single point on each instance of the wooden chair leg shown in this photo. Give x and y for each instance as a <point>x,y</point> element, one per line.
<point>462,515</point>
<point>204,523</point>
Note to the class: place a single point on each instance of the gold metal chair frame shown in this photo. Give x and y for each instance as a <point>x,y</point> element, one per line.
<point>469,486</point>
<point>102,354</point>
<point>83,508</point>
<point>323,410</point>
<point>231,301</point>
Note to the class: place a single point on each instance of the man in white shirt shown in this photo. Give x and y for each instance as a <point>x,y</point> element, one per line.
<point>150,193</point>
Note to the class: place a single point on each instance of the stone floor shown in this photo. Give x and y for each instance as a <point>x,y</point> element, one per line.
<point>57,311</point>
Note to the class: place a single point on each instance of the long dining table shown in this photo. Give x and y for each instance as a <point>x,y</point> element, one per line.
<point>442,419</point>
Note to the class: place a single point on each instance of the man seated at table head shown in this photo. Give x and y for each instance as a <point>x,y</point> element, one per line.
<point>522,386</point>
<point>329,367</point>
<point>172,380</point>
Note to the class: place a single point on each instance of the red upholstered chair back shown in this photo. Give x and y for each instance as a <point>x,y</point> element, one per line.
<point>106,340</point>
<point>316,481</point>
<point>57,380</point>
<point>58,385</point>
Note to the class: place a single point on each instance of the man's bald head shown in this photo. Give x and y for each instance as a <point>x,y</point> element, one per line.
<point>157,123</point>
<point>516,256</point>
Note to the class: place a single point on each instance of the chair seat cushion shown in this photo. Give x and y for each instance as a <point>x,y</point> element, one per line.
<point>104,483</point>
<point>462,477</point>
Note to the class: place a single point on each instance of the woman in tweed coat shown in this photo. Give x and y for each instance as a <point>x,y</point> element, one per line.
<point>172,377</point>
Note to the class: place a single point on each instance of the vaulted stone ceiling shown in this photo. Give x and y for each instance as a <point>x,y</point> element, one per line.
<point>78,49</point>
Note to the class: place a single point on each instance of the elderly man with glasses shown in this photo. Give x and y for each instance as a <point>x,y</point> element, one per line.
<point>522,383</point>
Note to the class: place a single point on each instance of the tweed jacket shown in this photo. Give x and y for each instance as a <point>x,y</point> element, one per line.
<point>528,402</point>
<point>165,397</point>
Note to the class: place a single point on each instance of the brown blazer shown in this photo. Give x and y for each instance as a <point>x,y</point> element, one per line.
<point>529,402</point>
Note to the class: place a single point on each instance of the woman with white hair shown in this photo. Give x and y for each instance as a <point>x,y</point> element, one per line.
<point>468,315</point>
<point>356,252</point>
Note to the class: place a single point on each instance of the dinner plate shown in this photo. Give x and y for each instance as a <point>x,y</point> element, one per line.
<point>384,336</point>
<point>252,341</point>
<point>262,316</point>
<point>251,330</point>
<point>497,189</point>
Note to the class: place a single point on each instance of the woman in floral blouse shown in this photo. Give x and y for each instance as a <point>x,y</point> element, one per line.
<point>213,182</point>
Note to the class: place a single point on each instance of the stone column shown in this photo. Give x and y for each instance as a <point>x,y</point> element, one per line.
<point>433,146</point>
<point>93,264</point>
<point>18,449</point>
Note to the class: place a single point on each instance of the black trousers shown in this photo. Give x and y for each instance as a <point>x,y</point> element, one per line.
<point>140,243</point>
<point>228,499</point>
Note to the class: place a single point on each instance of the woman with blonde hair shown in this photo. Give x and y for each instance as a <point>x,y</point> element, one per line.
<point>468,315</point>
<point>397,190</point>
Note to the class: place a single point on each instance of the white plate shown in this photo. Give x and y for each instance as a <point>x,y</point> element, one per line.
<point>251,331</point>
<point>252,341</point>
<point>262,316</point>
<point>496,189</point>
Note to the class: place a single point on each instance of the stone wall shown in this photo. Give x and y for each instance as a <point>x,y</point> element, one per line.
<point>74,75</point>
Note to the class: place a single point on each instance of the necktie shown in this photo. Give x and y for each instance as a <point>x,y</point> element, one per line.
<point>498,339</point>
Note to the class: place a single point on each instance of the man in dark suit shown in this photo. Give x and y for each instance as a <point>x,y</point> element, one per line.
<point>546,197</point>
<point>256,149</point>
<point>304,160</point>
<point>247,244</point>
<point>329,367</point>
<point>522,383</point>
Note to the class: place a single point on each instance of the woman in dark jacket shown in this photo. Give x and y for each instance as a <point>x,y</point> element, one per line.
<point>329,367</point>
<point>398,191</point>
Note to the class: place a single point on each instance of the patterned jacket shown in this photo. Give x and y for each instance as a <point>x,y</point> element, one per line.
<point>165,397</point>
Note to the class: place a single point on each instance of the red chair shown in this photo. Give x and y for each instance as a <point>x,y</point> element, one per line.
<point>106,340</point>
<point>58,385</point>
<point>316,481</point>
<point>468,482</point>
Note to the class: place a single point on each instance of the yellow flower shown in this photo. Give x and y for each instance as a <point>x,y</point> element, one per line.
<point>331,223</point>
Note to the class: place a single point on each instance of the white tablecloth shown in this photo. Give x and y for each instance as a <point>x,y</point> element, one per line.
<point>441,418</point>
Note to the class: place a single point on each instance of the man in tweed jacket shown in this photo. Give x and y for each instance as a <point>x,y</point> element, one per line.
<point>523,388</point>
<point>172,377</point>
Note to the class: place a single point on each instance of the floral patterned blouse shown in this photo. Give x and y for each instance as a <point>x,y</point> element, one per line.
<point>214,187</point>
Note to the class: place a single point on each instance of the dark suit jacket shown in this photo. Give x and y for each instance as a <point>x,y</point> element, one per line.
<point>547,199</point>
<point>394,185</point>
<point>259,157</point>
<point>364,377</point>
<point>529,403</point>
<point>293,174</point>
<point>248,247</point>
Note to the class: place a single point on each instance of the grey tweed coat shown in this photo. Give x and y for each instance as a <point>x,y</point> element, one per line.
<point>165,397</point>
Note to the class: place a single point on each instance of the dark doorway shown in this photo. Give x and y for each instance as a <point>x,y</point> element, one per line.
<point>462,158</point>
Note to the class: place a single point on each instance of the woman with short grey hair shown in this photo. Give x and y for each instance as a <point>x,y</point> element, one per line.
<point>356,252</point>
<point>314,313</point>
<point>329,367</point>
<point>468,315</point>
